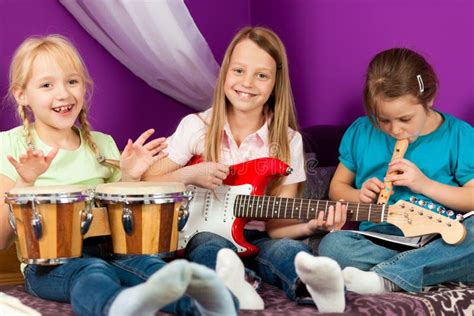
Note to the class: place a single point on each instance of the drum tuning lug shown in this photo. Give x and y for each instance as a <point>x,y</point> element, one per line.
<point>189,195</point>
<point>37,226</point>
<point>182,217</point>
<point>127,220</point>
<point>11,218</point>
<point>86,223</point>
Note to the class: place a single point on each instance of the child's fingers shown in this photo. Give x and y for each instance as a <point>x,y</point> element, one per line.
<point>377,182</point>
<point>400,167</point>
<point>344,214</point>
<point>29,150</point>
<point>144,136</point>
<point>156,149</point>
<point>221,175</point>
<point>224,168</point>
<point>395,177</point>
<point>365,199</point>
<point>22,158</point>
<point>368,196</point>
<point>373,187</point>
<point>128,148</point>
<point>13,161</point>
<point>157,142</point>
<point>320,219</point>
<point>331,217</point>
<point>338,213</point>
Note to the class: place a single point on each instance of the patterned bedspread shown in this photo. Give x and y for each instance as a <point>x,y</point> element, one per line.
<point>449,299</point>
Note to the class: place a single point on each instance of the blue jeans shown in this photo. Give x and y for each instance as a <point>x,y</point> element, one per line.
<point>91,284</point>
<point>275,262</point>
<point>436,262</point>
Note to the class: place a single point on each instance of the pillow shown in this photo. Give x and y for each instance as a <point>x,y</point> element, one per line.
<point>317,178</point>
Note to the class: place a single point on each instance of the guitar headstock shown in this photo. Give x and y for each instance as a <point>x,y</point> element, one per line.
<point>415,220</point>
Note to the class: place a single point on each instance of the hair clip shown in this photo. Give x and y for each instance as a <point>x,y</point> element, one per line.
<point>420,83</point>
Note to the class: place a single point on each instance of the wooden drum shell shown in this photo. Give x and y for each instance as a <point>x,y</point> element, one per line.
<point>154,210</point>
<point>61,236</point>
<point>155,229</point>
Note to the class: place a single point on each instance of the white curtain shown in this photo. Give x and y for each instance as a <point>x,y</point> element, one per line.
<point>157,40</point>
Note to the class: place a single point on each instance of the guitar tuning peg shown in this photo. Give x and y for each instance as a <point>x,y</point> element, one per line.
<point>441,210</point>
<point>431,206</point>
<point>459,217</point>
<point>413,199</point>
<point>450,213</point>
<point>421,202</point>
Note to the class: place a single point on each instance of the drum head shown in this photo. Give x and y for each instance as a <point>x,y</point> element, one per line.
<point>140,188</point>
<point>146,192</point>
<point>49,189</point>
<point>49,194</point>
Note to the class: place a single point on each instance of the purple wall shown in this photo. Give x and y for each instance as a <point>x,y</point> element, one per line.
<point>330,43</point>
<point>219,29</point>
<point>123,105</point>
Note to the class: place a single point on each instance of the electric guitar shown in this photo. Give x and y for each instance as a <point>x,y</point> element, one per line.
<point>226,210</point>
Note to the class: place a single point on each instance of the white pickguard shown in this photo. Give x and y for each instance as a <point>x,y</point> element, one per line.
<point>212,211</point>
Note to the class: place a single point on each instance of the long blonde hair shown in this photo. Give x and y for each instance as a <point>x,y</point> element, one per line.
<point>65,54</point>
<point>280,103</point>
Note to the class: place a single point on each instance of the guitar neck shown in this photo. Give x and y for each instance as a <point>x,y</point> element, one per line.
<point>264,207</point>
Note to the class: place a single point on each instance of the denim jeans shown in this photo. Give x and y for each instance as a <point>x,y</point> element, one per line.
<point>275,262</point>
<point>91,284</point>
<point>436,262</point>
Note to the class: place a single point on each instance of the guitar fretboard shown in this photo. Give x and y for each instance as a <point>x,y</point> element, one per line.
<point>262,207</point>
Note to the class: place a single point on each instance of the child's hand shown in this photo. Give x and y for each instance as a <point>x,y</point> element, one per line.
<point>137,156</point>
<point>370,190</point>
<point>31,165</point>
<point>334,221</point>
<point>207,175</point>
<point>408,175</point>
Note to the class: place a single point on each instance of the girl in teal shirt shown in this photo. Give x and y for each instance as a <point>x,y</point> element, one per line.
<point>438,167</point>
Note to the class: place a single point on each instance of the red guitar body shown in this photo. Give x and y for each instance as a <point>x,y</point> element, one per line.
<point>256,173</point>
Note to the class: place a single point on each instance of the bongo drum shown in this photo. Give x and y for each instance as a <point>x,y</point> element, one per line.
<point>50,221</point>
<point>143,216</point>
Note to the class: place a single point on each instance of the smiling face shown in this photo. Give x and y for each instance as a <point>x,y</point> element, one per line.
<point>404,117</point>
<point>54,93</point>
<point>250,78</point>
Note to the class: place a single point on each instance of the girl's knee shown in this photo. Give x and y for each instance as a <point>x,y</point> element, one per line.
<point>287,247</point>
<point>335,243</point>
<point>210,240</point>
<point>94,265</point>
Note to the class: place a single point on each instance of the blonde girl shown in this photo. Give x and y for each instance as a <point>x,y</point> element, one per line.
<point>252,116</point>
<point>55,145</point>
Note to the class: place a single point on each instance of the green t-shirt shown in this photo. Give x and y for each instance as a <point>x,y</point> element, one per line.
<point>77,166</point>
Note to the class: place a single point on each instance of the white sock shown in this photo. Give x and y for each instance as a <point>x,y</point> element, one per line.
<point>231,270</point>
<point>210,293</point>
<point>363,282</point>
<point>323,279</point>
<point>164,287</point>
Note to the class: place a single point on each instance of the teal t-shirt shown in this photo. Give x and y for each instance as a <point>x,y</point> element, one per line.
<point>446,155</point>
<point>69,167</point>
